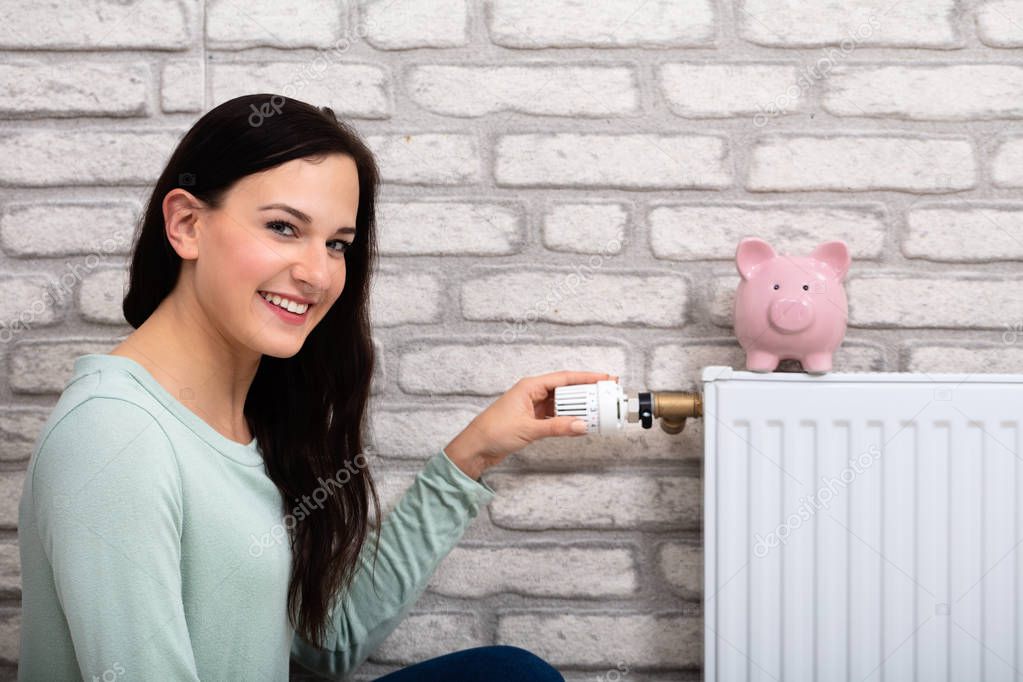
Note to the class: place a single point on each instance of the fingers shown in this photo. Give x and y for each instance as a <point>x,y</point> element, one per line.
<point>558,426</point>
<point>569,378</point>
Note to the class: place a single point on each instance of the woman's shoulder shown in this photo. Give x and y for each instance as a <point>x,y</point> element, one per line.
<point>100,405</point>
<point>102,426</point>
<point>100,457</point>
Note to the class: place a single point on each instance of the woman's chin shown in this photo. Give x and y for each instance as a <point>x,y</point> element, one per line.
<point>276,343</point>
<point>281,350</point>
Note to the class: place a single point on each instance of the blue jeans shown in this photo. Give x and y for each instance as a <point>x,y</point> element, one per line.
<point>480,664</point>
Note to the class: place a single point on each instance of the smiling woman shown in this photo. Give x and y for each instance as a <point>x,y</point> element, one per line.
<point>249,249</point>
<point>197,505</point>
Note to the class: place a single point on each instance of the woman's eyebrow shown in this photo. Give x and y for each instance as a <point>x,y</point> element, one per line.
<point>302,216</point>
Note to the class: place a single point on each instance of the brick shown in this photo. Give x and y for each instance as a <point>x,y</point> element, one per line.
<point>1005,356</point>
<point>391,487</point>
<point>19,429</point>
<point>854,163</point>
<point>589,227</point>
<point>405,298</point>
<point>632,445</point>
<point>537,570</point>
<point>640,640</point>
<point>407,24</point>
<point>476,367</point>
<point>67,228</point>
<point>612,23</point>
<point>544,501</point>
<point>73,88</point>
<point>581,295</point>
<point>11,484</point>
<point>548,90</point>
<point>10,635</point>
<point>416,431</point>
<point>29,301</point>
<point>286,23</point>
<point>936,232</point>
<point>351,90</point>
<point>632,161</point>
<point>982,91</point>
<point>409,228</point>
<point>702,90</point>
<point>101,296</point>
<point>422,636</point>
<point>1007,163</point>
<point>912,301</point>
<point>379,368</point>
<point>183,86</point>
<point>682,567</point>
<point>621,672</point>
<point>99,25</point>
<point>428,158</point>
<point>908,23</point>
<point>679,366</point>
<point>1000,23</point>
<point>690,232</point>
<point>10,569</point>
<point>50,158</point>
<point>45,367</point>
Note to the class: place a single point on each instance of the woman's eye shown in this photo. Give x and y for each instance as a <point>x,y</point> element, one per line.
<point>280,223</point>
<point>275,224</point>
<point>345,245</point>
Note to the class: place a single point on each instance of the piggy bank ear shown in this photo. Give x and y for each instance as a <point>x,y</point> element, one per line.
<point>836,255</point>
<point>751,253</point>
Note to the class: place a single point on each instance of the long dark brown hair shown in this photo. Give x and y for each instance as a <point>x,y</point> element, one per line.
<point>307,411</point>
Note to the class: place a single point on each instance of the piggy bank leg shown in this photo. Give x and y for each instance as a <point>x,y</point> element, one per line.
<point>817,363</point>
<point>761,361</point>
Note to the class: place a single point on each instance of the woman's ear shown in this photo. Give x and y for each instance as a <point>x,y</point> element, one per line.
<point>181,217</point>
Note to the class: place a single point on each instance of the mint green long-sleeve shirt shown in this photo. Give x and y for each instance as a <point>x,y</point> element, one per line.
<point>153,547</point>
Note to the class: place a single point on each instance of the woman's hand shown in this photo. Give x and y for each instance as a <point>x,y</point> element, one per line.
<point>525,413</point>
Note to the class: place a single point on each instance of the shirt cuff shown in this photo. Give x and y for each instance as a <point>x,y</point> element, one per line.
<point>477,489</point>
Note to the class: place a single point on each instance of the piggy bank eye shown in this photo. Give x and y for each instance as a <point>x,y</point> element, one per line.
<point>806,287</point>
<point>775,286</point>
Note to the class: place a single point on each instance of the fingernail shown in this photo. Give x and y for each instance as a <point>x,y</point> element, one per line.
<point>579,426</point>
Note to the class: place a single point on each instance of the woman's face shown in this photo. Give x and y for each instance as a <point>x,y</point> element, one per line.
<point>254,245</point>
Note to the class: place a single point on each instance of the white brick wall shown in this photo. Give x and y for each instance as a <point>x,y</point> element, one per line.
<point>564,187</point>
<point>566,91</point>
<point>981,91</point>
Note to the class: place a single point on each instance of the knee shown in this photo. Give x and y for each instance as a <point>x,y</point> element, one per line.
<point>525,665</point>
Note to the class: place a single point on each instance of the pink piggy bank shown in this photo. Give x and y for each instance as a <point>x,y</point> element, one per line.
<point>790,307</point>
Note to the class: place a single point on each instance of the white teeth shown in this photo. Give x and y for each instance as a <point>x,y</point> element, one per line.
<point>297,308</point>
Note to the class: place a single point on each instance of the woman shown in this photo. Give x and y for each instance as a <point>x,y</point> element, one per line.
<point>151,531</point>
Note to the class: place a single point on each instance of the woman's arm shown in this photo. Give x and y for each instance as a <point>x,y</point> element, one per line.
<point>422,529</point>
<point>432,516</point>
<point>106,502</point>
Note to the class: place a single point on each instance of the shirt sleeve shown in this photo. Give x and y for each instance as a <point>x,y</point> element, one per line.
<point>415,537</point>
<point>106,498</point>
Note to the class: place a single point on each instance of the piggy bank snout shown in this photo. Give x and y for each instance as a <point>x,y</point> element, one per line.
<point>791,315</point>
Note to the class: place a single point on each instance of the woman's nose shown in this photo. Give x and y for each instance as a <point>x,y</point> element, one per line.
<point>314,268</point>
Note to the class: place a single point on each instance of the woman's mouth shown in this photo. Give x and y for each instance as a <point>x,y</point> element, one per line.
<point>289,311</point>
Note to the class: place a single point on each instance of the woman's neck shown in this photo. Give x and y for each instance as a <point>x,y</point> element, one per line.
<point>196,367</point>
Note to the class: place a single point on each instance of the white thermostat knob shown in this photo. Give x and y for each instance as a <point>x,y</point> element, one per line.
<point>602,405</point>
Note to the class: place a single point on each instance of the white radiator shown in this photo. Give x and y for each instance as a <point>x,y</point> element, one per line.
<point>862,526</point>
